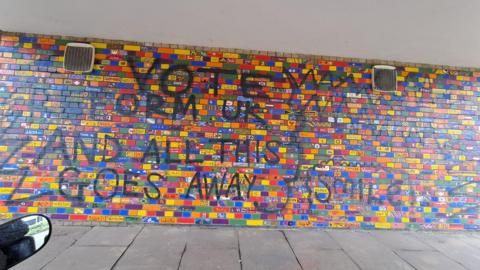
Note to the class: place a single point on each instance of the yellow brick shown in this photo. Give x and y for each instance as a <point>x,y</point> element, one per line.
<point>6,190</point>
<point>381,214</point>
<point>259,132</point>
<point>337,224</point>
<point>115,219</point>
<point>61,204</point>
<point>99,45</point>
<point>383,225</point>
<point>6,215</point>
<point>231,55</point>
<point>454,132</point>
<point>255,193</point>
<point>169,213</point>
<point>131,48</point>
<point>252,222</point>
<point>181,51</point>
<point>411,69</point>
<point>309,156</point>
<point>32,209</point>
<point>354,137</point>
<point>262,68</point>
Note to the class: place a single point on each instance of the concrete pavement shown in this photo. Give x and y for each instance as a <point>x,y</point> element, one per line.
<point>142,247</point>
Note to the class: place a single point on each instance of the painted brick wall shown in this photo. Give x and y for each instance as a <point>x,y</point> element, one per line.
<point>186,136</point>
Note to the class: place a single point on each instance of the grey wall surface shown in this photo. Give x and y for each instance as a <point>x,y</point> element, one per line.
<point>425,31</point>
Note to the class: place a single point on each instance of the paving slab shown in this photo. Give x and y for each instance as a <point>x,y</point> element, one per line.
<point>452,247</point>
<point>109,236</point>
<point>266,249</point>
<point>208,249</point>
<point>427,260</point>
<point>400,240</point>
<point>471,239</point>
<point>368,252</point>
<point>62,238</point>
<point>156,247</point>
<point>311,239</point>
<point>86,258</point>
<point>317,250</point>
<point>72,231</point>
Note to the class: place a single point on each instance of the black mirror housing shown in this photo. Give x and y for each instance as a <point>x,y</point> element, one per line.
<point>22,237</point>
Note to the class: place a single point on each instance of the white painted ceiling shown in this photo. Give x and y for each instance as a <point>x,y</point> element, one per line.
<point>442,32</point>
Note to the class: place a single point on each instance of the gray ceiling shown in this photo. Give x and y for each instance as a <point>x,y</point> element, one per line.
<point>425,31</point>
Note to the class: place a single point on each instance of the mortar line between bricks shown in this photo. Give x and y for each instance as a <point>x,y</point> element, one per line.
<point>56,256</point>
<point>291,248</point>
<point>123,253</point>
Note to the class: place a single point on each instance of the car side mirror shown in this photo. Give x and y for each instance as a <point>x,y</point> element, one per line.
<point>22,237</point>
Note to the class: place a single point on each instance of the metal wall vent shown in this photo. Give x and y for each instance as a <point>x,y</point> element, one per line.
<point>79,57</point>
<point>384,78</point>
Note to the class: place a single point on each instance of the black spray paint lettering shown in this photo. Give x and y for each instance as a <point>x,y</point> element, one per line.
<point>53,146</point>
<point>216,75</point>
<point>96,183</point>
<point>65,185</point>
<point>127,104</point>
<point>79,144</point>
<point>11,201</point>
<point>253,89</point>
<point>117,148</point>
<point>204,190</point>
<point>246,107</point>
<point>152,185</point>
<point>188,150</point>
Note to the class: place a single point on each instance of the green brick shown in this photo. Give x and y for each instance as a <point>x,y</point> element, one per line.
<point>237,222</point>
<point>206,209</point>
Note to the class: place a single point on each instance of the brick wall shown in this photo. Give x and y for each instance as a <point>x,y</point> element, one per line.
<point>204,136</point>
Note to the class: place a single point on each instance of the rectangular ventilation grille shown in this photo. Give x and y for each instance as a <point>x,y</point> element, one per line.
<point>384,78</point>
<point>79,57</point>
